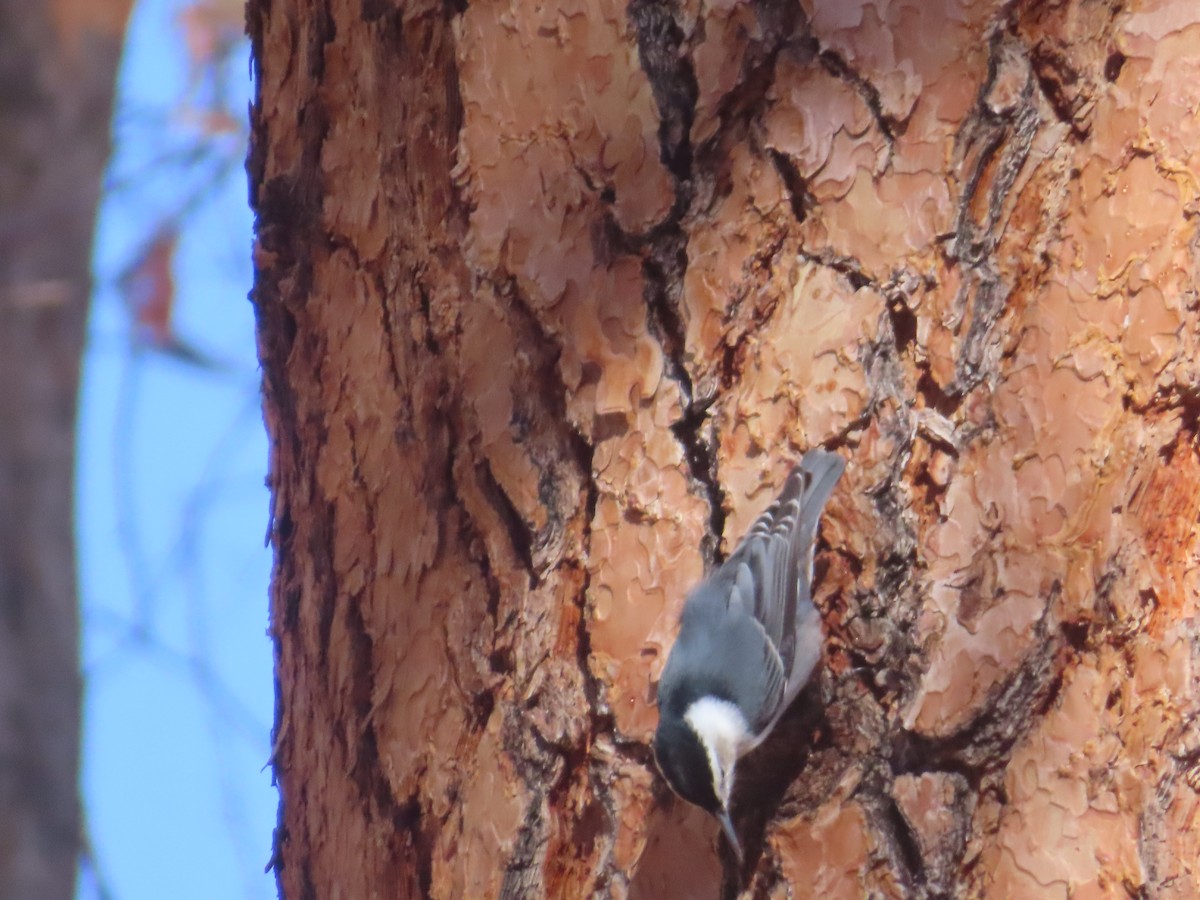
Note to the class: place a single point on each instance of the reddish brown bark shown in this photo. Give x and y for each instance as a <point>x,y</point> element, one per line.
<point>58,64</point>
<point>549,296</point>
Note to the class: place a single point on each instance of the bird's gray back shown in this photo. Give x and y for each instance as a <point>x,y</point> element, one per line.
<point>723,652</point>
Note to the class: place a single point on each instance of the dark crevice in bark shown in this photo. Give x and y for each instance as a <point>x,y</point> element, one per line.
<point>1113,65</point>
<point>839,68</point>
<point>930,491</point>
<point>665,257</point>
<point>561,444</point>
<point>979,751</point>
<point>672,80</point>
<point>938,400</point>
<point>320,550</point>
<point>1179,399</point>
<point>523,871</point>
<point>700,451</point>
<point>289,595</point>
<point>848,435</point>
<point>406,820</point>
<point>1078,636</point>
<point>866,673</point>
<point>904,325</point>
<point>782,25</point>
<point>664,250</point>
<point>500,659</point>
<point>1069,80</point>
<point>544,430</point>
<point>548,768</point>
<point>799,198</point>
<point>1001,141</point>
<point>886,379</point>
<point>769,880</point>
<point>366,771</point>
<point>846,266</point>
<point>1056,78</point>
<point>664,270</point>
<point>515,527</point>
<point>540,767</point>
<point>576,765</point>
<point>432,345</point>
<point>483,703</point>
<point>600,718</point>
<point>375,10</point>
<point>905,850</point>
<point>692,429</point>
<point>321,35</point>
<point>358,730</point>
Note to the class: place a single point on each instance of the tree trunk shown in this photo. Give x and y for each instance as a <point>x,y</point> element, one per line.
<point>58,65</point>
<point>549,296</point>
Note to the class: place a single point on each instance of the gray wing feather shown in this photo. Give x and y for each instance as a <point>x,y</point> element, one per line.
<point>773,564</point>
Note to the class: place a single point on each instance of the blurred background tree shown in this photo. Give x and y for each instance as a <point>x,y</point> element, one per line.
<point>59,69</point>
<point>155,476</point>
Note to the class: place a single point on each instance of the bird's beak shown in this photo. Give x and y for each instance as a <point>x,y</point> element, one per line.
<point>730,834</point>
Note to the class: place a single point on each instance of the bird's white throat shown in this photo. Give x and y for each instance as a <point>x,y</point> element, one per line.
<point>725,735</point>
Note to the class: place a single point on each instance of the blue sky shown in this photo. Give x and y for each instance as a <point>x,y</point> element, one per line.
<point>172,515</point>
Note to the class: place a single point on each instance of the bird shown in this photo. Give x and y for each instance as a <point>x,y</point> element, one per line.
<point>749,639</point>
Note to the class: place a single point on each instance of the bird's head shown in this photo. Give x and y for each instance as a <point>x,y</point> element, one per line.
<point>697,753</point>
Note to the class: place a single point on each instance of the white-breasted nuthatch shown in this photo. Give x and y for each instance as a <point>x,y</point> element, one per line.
<point>749,638</point>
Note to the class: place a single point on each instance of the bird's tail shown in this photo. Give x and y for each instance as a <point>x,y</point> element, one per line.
<point>823,470</point>
<point>819,471</point>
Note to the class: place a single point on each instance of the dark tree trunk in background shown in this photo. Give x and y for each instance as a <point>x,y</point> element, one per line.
<point>58,65</point>
<point>548,297</point>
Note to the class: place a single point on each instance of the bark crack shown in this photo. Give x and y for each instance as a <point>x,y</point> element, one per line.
<point>995,143</point>
<point>980,749</point>
<point>905,850</point>
<point>837,66</point>
<point>541,767</point>
<point>799,197</point>
<point>672,78</point>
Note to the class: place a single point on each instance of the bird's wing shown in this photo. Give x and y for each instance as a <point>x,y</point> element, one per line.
<point>761,698</point>
<point>772,568</point>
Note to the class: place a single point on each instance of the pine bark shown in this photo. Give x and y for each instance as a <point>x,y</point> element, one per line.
<point>549,296</point>
<point>58,66</point>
